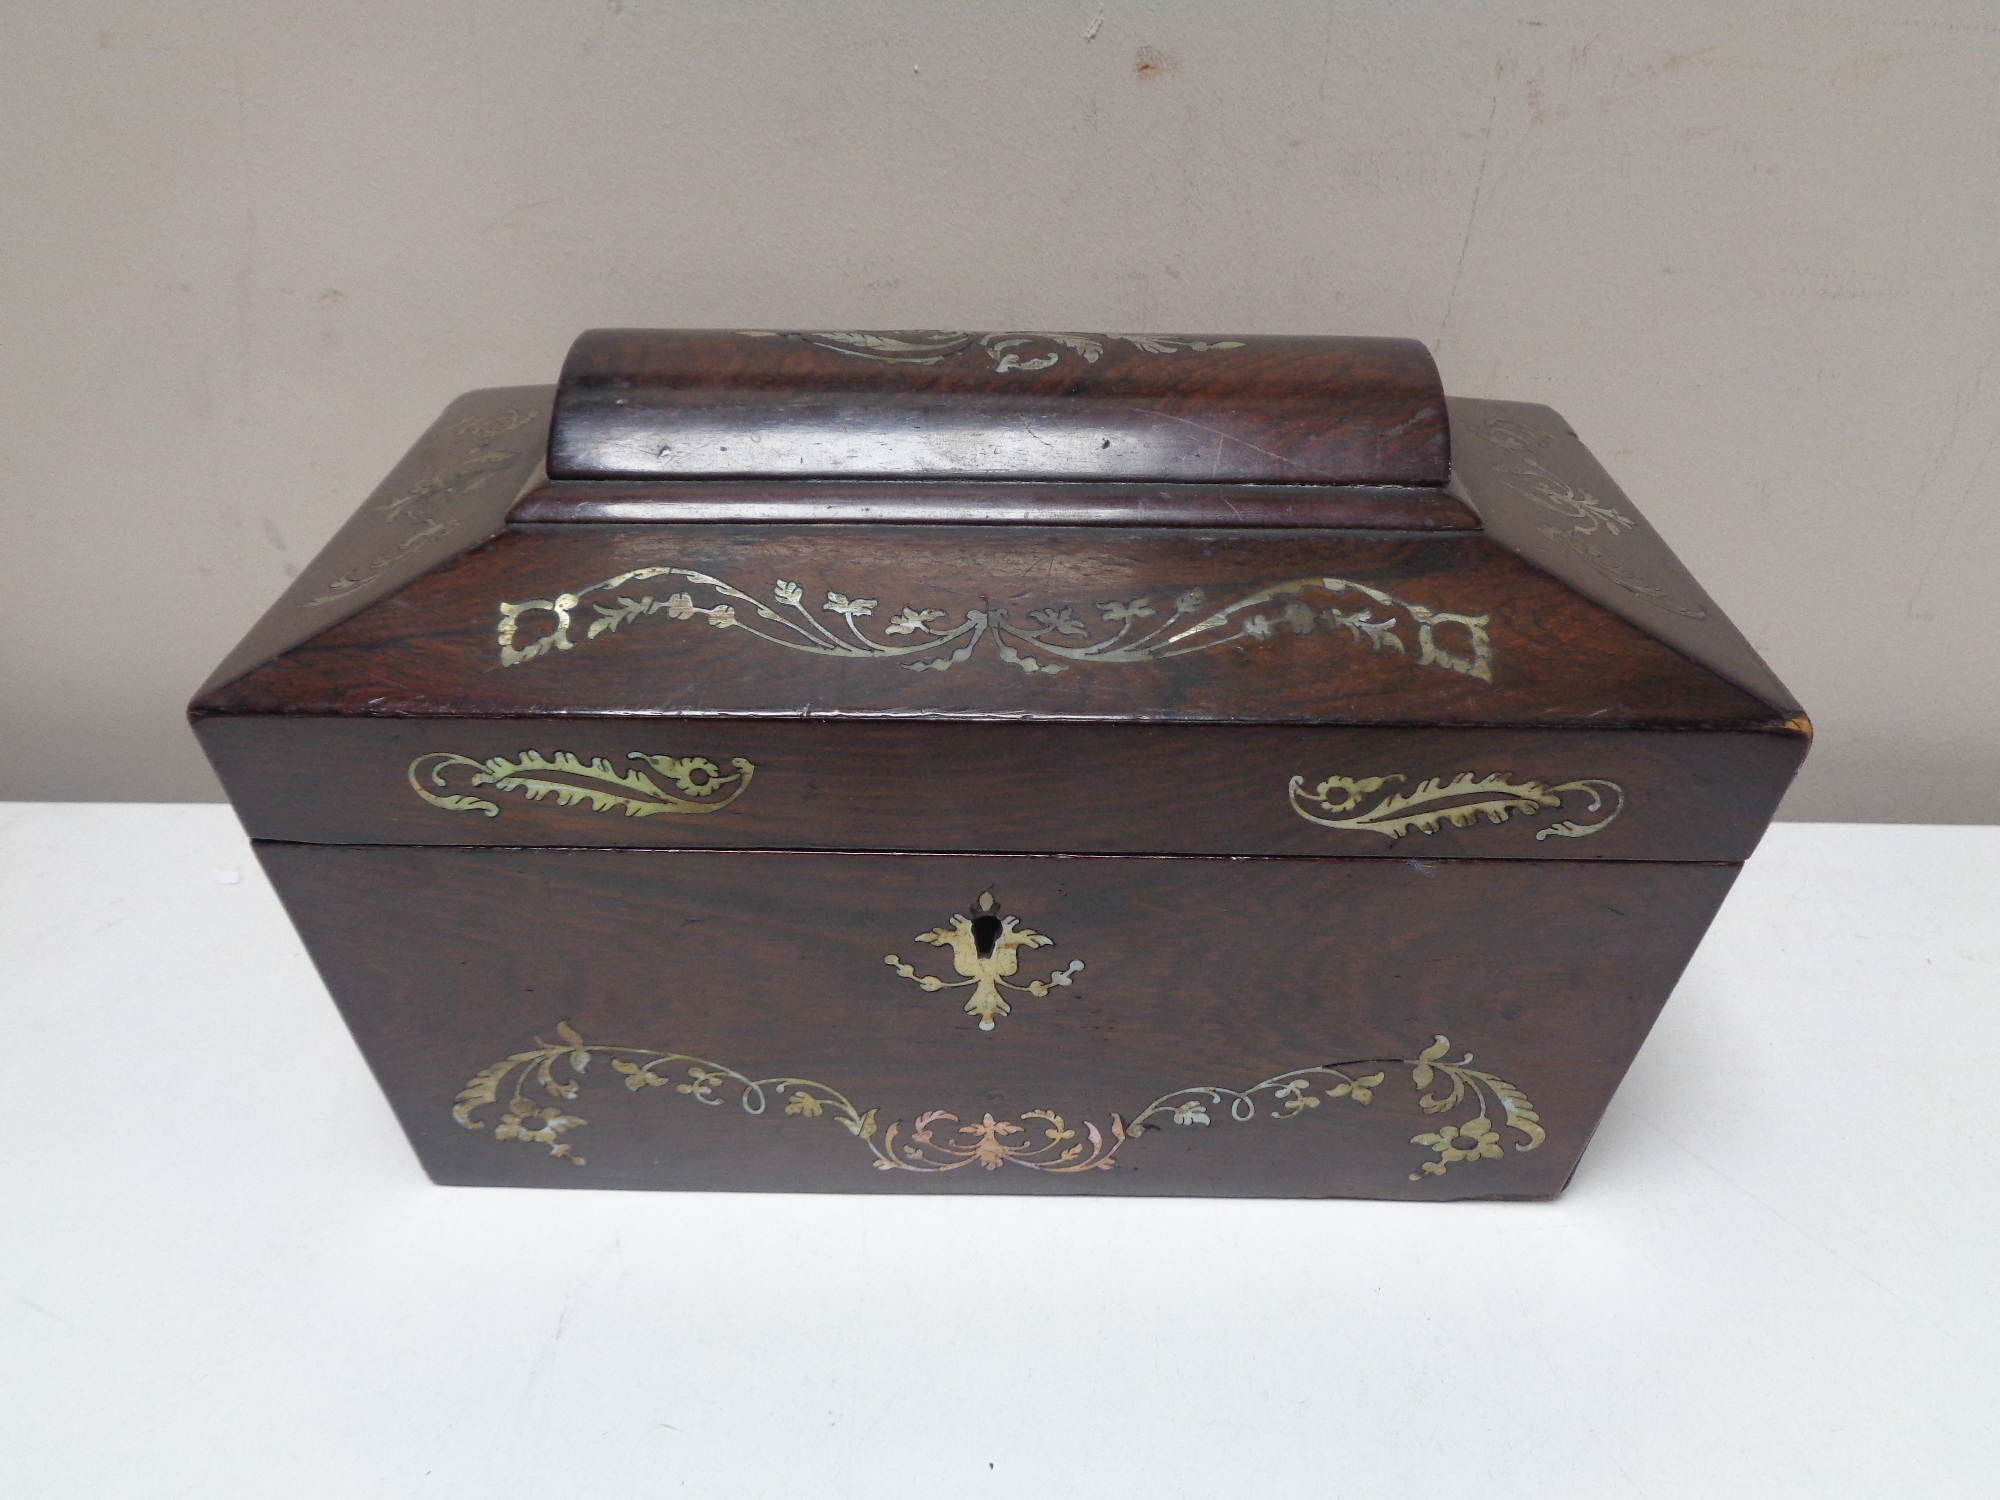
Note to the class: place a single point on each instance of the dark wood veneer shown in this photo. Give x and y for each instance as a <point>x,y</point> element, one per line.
<point>697,403</point>
<point>1195,972</point>
<point>1129,801</point>
<point>1542,495</point>
<point>971,503</point>
<point>1016,788</point>
<point>431,649</point>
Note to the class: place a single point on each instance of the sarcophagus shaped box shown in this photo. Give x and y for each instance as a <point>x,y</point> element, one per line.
<point>940,762</point>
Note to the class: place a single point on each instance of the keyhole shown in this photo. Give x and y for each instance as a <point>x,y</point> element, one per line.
<point>985,933</point>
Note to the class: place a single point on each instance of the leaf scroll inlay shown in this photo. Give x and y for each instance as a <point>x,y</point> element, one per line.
<point>1010,353</point>
<point>1044,641</point>
<point>1039,1140</point>
<point>1464,800</point>
<point>699,785</point>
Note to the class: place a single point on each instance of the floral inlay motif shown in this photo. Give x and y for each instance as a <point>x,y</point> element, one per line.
<point>1459,802</point>
<point>412,512</point>
<point>1039,1140</point>
<point>1588,516</point>
<point>699,785</point>
<point>986,950</point>
<point>1009,352</point>
<point>1125,631</point>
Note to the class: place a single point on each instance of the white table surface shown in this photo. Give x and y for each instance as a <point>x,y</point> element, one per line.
<point>222,1273</point>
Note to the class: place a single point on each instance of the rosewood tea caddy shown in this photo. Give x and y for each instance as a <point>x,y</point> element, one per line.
<point>1056,763</point>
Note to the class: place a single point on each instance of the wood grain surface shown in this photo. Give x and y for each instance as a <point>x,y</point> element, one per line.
<point>433,648</point>
<point>1026,788</point>
<point>1540,493</point>
<point>691,403</point>
<point>613,808</point>
<point>1196,972</point>
<point>984,503</point>
<point>448,494</point>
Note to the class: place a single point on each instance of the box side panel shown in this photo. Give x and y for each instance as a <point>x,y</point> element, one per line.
<point>450,492</point>
<point>1542,494</point>
<point>982,788</point>
<point>805,1022</point>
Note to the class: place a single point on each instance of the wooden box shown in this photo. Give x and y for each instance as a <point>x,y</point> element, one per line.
<point>943,762</point>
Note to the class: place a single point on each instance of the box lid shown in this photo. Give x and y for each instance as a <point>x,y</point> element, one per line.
<point>708,404</point>
<point>936,662</point>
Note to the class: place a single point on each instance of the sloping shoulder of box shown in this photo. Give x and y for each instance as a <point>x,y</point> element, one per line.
<point>1540,493</point>
<point>449,493</point>
<point>996,623</point>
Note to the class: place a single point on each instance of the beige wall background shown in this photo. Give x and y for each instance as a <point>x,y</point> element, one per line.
<point>1750,251</point>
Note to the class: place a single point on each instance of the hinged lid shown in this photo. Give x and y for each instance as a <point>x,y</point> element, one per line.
<point>701,404</point>
<point>1219,666</point>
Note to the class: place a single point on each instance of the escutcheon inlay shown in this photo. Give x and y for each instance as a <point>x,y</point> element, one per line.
<point>986,950</point>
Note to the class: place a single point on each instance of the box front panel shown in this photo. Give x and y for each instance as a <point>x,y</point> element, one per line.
<point>918,1023</point>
